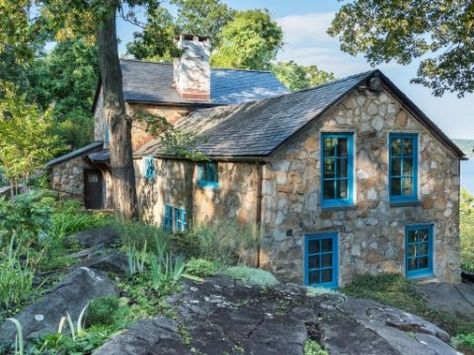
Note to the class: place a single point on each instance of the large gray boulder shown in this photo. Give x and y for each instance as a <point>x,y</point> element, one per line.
<point>223,317</point>
<point>98,237</point>
<point>71,295</point>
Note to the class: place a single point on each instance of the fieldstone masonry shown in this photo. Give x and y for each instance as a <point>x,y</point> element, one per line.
<point>371,234</point>
<point>68,176</point>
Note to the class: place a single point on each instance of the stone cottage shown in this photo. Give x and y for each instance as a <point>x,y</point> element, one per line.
<point>345,178</point>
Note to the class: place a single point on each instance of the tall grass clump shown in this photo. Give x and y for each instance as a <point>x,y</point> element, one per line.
<point>16,277</point>
<point>137,236</point>
<point>226,242</point>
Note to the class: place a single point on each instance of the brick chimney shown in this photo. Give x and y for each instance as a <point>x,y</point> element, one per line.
<point>192,71</point>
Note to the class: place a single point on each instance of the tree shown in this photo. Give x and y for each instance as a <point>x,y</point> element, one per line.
<point>26,142</point>
<point>250,41</point>
<point>298,77</point>
<point>67,77</point>
<point>197,17</point>
<point>97,19</point>
<point>441,30</point>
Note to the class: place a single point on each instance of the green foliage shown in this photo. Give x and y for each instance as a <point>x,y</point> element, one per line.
<point>298,77</point>
<point>201,267</point>
<point>16,277</point>
<point>223,241</point>
<point>166,270</point>
<point>467,230</point>
<point>252,276</point>
<point>440,31</point>
<point>137,236</point>
<point>250,40</point>
<point>26,141</point>
<point>102,311</point>
<point>463,340</point>
<point>311,347</point>
<point>397,291</point>
<point>67,77</point>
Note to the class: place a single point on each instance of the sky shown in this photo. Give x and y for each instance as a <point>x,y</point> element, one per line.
<point>304,24</point>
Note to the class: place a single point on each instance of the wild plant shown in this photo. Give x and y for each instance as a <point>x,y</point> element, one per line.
<point>76,330</point>
<point>166,270</point>
<point>19,341</point>
<point>137,259</point>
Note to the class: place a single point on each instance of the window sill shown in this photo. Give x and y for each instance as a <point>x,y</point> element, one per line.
<point>422,276</point>
<point>405,203</point>
<point>338,208</point>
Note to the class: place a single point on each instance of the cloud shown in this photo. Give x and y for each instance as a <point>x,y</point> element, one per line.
<point>300,29</point>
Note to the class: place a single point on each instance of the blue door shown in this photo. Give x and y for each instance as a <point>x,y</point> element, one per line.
<point>321,260</point>
<point>419,250</point>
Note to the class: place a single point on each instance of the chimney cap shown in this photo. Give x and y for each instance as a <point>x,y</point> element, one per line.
<point>191,37</point>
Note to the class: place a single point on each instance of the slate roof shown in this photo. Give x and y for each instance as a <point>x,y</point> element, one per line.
<point>256,129</point>
<point>153,83</point>
<point>76,153</point>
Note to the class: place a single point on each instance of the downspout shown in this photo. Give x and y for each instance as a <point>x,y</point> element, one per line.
<point>258,219</point>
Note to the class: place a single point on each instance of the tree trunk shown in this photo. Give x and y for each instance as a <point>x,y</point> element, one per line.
<point>120,124</point>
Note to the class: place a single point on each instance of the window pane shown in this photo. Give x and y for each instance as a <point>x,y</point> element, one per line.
<point>423,235</point>
<point>412,236</point>
<point>329,168</point>
<point>313,246</point>
<point>396,147</point>
<point>326,245</point>
<point>423,249</point>
<point>329,147</point>
<point>396,167</point>
<point>329,190</point>
<point>411,252</point>
<point>423,262</point>
<point>408,147</point>
<point>341,191</point>
<point>407,186</point>
<point>408,167</point>
<point>313,262</point>
<point>326,260</point>
<point>342,167</point>
<point>326,276</point>
<point>342,147</point>
<point>313,277</point>
<point>396,187</point>
<point>411,264</point>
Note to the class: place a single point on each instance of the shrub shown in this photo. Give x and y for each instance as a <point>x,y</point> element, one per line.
<point>463,340</point>
<point>467,230</point>
<point>252,276</point>
<point>200,267</point>
<point>226,242</point>
<point>166,271</point>
<point>137,236</point>
<point>102,311</point>
<point>311,347</point>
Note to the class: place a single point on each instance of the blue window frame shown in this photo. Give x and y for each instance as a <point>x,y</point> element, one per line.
<point>337,164</point>
<point>174,219</point>
<point>321,260</point>
<point>168,220</point>
<point>149,168</point>
<point>419,250</point>
<point>208,174</point>
<point>403,167</point>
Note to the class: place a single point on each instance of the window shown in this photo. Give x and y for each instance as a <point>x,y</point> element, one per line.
<point>321,260</point>
<point>174,219</point>
<point>403,167</point>
<point>148,168</point>
<point>337,163</point>
<point>207,174</point>
<point>419,250</point>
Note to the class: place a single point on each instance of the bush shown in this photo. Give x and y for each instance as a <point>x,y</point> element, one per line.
<point>102,311</point>
<point>200,267</point>
<point>140,236</point>
<point>311,347</point>
<point>225,242</point>
<point>467,230</point>
<point>463,340</point>
<point>252,276</point>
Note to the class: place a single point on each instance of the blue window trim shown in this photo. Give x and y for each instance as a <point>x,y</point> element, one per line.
<point>149,168</point>
<point>426,272</point>
<point>175,219</point>
<point>349,201</point>
<point>335,257</point>
<point>414,196</point>
<point>202,181</point>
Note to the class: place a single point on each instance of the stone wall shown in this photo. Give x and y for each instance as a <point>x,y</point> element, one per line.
<point>68,176</point>
<point>371,234</point>
<point>176,184</point>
